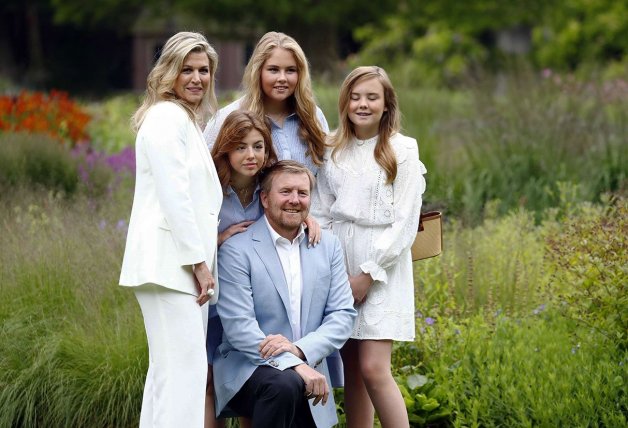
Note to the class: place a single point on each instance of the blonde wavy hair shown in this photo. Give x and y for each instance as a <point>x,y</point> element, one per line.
<point>161,79</point>
<point>389,124</point>
<point>302,101</point>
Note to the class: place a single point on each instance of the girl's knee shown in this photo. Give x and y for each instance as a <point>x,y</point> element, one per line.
<point>374,371</point>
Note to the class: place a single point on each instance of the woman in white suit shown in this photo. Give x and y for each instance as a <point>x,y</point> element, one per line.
<point>170,255</point>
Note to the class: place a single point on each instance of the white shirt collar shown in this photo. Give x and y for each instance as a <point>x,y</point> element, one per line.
<point>276,237</point>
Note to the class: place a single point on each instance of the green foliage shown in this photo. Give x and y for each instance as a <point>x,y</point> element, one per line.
<point>439,55</point>
<point>110,128</point>
<point>425,401</point>
<point>36,160</point>
<point>74,352</point>
<point>493,268</point>
<point>73,348</point>
<point>516,348</point>
<point>580,31</point>
<point>588,257</point>
<point>531,371</point>
<point>442,42</point>
<point>512,140</point>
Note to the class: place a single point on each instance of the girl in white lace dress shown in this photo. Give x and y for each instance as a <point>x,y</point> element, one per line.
<point>369,194</point>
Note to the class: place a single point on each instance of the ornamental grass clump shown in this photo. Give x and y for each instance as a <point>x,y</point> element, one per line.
<point>73,348</point>
<point>36,160</point>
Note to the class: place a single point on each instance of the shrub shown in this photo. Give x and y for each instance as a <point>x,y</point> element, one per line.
<point>110,127</point>
<point>54,114</point>
<point>36,160</point>
<point>587,254</point>
<point>531,371</point>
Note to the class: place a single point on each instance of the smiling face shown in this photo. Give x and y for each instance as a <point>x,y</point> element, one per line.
<point>279,76</point>
<point>194,78</point>
<point>248,156</point>
<point>287,204</point>
<point>366,107</point>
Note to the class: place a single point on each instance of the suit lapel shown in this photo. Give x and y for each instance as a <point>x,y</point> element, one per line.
<point>204,153</point>
<point>308,280</point>
<point>265,249</point>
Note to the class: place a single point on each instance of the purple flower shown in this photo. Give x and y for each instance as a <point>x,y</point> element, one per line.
<point>121,225</point>
<point>102,224</point>
<point>123,160</point>
<point>430,321</point>
<point>538,310</point>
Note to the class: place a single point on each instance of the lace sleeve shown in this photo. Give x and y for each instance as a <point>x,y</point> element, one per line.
<point>408,187</point>
<point>323,197</point>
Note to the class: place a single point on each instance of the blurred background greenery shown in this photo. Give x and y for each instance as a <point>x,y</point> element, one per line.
<point>520,110</point>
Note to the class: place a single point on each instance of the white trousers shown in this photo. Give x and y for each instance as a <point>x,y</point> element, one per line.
<point>174,393</point>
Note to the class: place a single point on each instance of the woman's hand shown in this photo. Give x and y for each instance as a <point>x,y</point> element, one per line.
<point>313,231</point>
<point>232,230</point>
<point>360,286</point>
<point>204,282</point>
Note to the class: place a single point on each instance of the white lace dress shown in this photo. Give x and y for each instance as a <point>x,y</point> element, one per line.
<point>376,224</point>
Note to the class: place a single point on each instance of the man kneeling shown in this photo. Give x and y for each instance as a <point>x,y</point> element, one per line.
<point>284,308</point>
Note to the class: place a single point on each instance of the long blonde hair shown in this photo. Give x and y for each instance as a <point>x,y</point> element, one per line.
<point>389,124</point>
<point>161,79</point>
<point>302,100</point>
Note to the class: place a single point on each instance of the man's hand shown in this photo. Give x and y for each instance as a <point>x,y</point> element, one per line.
<point>275,344</point>
<point>204,282</point>
<point>360,286</point>
<point>315,384</point>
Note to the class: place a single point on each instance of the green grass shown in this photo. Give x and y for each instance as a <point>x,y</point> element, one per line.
<point>74,350</point>
<point>73,347</point>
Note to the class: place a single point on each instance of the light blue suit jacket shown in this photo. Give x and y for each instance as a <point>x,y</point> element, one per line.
<point>254,303</point>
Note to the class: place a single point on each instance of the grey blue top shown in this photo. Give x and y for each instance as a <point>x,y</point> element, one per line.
<point>232,211</point>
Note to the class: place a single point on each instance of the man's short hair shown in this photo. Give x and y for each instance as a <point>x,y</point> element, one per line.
<point>287,166</point>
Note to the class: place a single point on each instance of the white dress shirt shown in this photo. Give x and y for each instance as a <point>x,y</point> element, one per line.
<point>290,257</point>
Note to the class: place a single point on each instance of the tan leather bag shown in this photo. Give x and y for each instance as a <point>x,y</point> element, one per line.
<point>429,238</point>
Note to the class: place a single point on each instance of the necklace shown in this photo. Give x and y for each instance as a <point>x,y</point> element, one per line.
<point>366,141</point>
<point>245,194</point>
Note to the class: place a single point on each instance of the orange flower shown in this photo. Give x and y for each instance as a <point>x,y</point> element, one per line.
<point>54,114</point>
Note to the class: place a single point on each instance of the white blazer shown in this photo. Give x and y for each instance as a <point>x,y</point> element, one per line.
<point>174,220</point>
